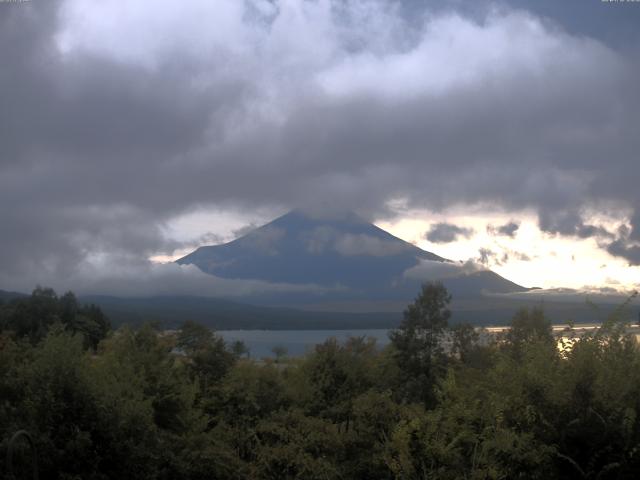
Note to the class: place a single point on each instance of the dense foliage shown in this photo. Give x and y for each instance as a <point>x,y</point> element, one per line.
<point>439,402</point>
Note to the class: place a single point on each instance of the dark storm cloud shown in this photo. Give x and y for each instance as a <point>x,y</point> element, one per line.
<point>622,248</point>
<point>447,232</point>
<point>118,117</point>
<point>509,229</point>
<point>82,138</point>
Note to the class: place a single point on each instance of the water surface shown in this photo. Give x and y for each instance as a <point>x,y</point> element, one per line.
<point>296,342</point>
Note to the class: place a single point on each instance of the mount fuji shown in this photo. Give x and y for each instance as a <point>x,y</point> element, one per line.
<point>345,257</point>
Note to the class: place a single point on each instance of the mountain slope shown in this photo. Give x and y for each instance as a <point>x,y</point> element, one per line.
<point>298,249</point>
<point>349,256</point>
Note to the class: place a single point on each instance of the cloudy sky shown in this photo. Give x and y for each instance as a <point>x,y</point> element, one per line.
<point>504,132</point>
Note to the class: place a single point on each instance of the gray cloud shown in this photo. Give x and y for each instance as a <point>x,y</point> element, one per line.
<point>520,256</point>
<point>599,294</point>
<point>432,270</point>
<point>572,223</point>
<point>487,256</point>
<point>130,277</point>
<point>110,130</point>
<point>447,233</point>
<point>173,279</point>
<point>352,244</point>
<point>322,239</point>
<point>210,238</point>
<point>509,229</point>
<point>629,251</point>
<point>627,241</point>
<point>319,239</point>
<point>242,231</point>
<point>266,241</point>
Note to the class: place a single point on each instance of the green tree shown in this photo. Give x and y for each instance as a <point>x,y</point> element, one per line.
<point>280,351</point>
<point>528,326</point>
<point>464,342</point>
<point>418,343</point>
<point>248,394</point>
<point>336,375</point>
<point>88,320</point>
<point>240,349</point>
<point>208,358</point>
<point>33,316</point>
<point>293,446</point>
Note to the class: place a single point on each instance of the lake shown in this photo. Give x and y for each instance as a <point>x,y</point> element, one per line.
<point>296,342</point>
<point>299,342</point>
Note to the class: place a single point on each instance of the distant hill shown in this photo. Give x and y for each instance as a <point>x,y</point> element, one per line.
<point>352,258</point>
<point>5,296</point>
<point>171,312</point>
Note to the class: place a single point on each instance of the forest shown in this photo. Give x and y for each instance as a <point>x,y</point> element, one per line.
<point>436,403</point>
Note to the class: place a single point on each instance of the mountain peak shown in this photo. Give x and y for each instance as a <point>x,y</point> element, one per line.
<point>310,217</point>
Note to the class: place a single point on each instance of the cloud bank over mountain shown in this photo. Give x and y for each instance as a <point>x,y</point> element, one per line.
<point>322,239</point>
<point>145,279</point>
<point>432,270</point>
<point>118,117</point>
